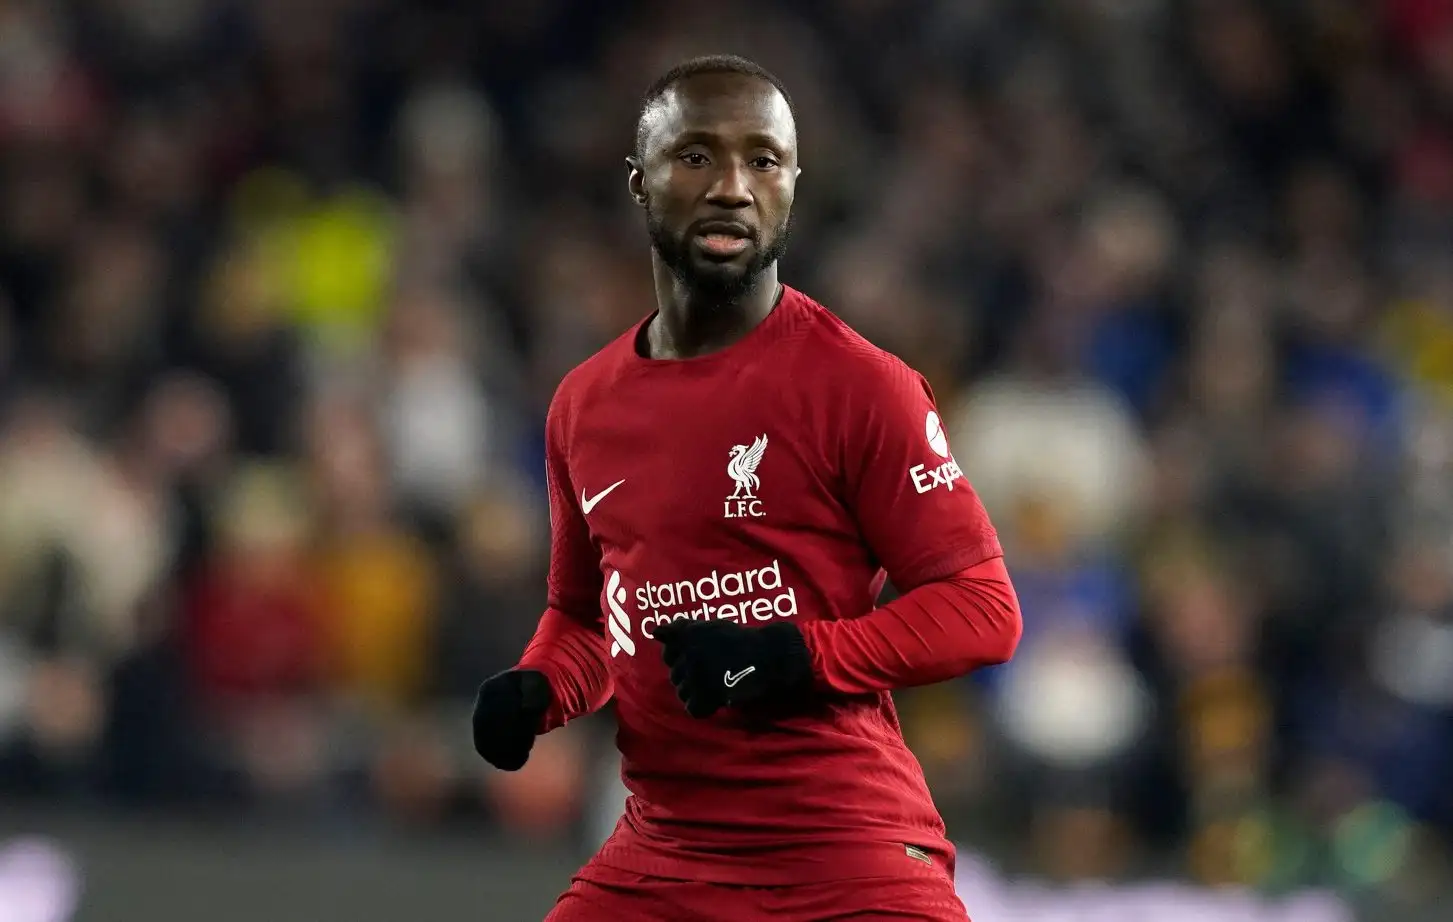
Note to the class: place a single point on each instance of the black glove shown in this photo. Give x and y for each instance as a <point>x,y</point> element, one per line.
<point>507,714</point>
<point>715,664</point>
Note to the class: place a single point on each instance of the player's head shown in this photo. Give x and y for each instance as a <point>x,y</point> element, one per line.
<point>715,167</point>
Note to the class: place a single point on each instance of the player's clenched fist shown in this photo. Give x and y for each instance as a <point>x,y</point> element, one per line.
<point>719,663</point>
<point>508,710</point>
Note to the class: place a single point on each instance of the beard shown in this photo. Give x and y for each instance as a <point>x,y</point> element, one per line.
<point>715,282</point>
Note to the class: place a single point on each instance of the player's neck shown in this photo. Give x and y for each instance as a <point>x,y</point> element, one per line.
<point>690,323</point>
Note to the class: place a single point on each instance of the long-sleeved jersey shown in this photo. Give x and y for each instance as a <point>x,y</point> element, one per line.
<point>784,477</point>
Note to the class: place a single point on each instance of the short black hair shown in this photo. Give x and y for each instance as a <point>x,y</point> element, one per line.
<point>693,67</point>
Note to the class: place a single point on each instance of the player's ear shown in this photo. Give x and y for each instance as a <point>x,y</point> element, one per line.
<point>636,180</point>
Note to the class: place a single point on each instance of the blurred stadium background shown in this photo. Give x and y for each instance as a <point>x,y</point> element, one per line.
<point>285,286</point>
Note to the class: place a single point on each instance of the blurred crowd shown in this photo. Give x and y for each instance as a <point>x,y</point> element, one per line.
<point>285,288</point>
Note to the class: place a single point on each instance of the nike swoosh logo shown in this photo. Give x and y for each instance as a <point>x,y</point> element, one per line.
<point>732,680</point>
<point>588,503</point>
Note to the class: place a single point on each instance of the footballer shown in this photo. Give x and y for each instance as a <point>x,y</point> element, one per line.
<point>731,483</point>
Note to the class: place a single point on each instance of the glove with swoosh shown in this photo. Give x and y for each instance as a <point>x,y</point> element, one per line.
<point>716,664</point>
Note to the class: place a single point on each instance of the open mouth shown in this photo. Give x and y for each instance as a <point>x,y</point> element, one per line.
<point>722,239</point>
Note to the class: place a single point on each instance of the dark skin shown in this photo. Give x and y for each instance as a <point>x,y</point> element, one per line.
<point>716,174</point>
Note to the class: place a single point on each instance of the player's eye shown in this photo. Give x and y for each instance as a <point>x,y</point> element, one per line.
<point>764,163</point>
<point>693,158</point>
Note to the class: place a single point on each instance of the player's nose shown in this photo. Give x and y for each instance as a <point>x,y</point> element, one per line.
<point>731,188</point>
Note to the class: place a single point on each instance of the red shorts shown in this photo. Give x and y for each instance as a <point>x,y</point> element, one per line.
<point>922,893</point>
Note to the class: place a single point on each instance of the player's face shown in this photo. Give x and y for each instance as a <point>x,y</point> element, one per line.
<point>717,178</point>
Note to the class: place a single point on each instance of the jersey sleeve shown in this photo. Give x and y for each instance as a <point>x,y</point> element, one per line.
<point>940,630</point>
<point>569,646</point>
<point>929,532</point>
<point>915,507</point>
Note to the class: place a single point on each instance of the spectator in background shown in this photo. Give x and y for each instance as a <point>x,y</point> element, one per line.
<point>377,579</point>
<point>254,636</point>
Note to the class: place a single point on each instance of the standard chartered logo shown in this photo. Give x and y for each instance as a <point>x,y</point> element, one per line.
<point>618,623</point>
<point>742,596</point>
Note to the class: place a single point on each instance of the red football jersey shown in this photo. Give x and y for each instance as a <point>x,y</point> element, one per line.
<point>780,478</point>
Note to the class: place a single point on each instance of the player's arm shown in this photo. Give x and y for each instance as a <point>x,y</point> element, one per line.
<point>569,648</point>
<point>563,673</point>
<point>927,527</point>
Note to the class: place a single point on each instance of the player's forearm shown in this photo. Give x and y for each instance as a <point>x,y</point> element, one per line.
<point>575,659</point>
<point>938,631</point>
